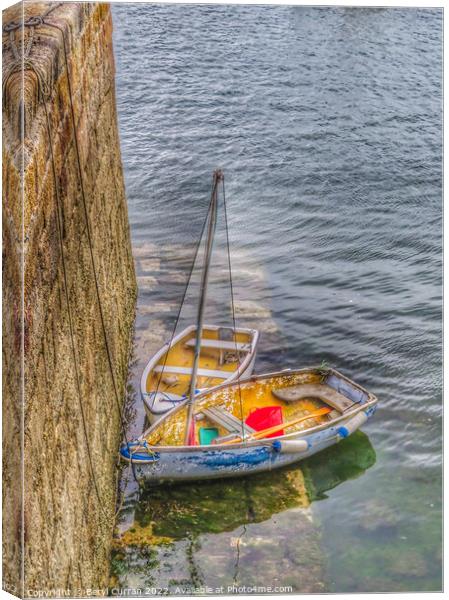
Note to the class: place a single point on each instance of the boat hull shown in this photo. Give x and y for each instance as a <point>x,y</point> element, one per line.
<point>198,463</point>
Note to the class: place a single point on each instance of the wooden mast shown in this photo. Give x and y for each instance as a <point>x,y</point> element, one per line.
<point>217,177</point>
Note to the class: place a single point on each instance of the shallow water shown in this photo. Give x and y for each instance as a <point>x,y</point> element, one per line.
<point>327,123</point>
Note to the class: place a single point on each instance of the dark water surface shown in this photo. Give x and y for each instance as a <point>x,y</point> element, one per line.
<point>327,123</point>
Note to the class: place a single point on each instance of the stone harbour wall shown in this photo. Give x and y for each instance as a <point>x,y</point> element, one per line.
<point>67,241</point>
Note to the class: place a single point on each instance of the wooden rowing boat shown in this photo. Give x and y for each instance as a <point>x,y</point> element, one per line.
<point>319,408</point>
<point>226,354</point>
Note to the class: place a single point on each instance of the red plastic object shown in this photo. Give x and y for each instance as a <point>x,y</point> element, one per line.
<point>191,440</point>
<point>265,417</point>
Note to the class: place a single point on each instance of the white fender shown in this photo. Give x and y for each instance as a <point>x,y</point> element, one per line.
<point>353,424</point>
<point>290,446</point>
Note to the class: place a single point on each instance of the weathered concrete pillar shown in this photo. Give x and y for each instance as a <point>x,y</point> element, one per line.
<point>68,297</point>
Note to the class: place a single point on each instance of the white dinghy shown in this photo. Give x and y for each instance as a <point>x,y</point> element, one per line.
<point>226,354</point>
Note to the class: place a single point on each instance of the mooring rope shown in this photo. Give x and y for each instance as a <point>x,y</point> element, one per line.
<point>43,95</point>
<point>32,21</point>
<point>22,60</point>
<point>88,230</point>
<point>89,238</point>
<point>69,311</point>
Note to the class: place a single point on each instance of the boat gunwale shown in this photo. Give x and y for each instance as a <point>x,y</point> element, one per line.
<point>254,333</point>
<point>359,407</point>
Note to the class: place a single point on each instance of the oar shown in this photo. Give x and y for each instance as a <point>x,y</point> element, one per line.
<point>264,432</point>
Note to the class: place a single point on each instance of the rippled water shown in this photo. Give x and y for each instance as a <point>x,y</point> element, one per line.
<point>327,123</point>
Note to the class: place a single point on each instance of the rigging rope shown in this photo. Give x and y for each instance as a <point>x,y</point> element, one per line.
<point>233,309</point>
<point>192,266</point>
<point>69,311</point>
<point>208,247</point>
<point>231,293</point>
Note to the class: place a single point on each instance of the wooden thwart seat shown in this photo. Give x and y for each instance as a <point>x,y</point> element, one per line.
<point>323,392</point>
<point>221,345</point>
<point>188,371</point>
<point>225,419</point>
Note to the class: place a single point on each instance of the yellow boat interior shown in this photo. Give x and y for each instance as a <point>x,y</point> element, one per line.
<point>220,410</point>
<point>222,351</point>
